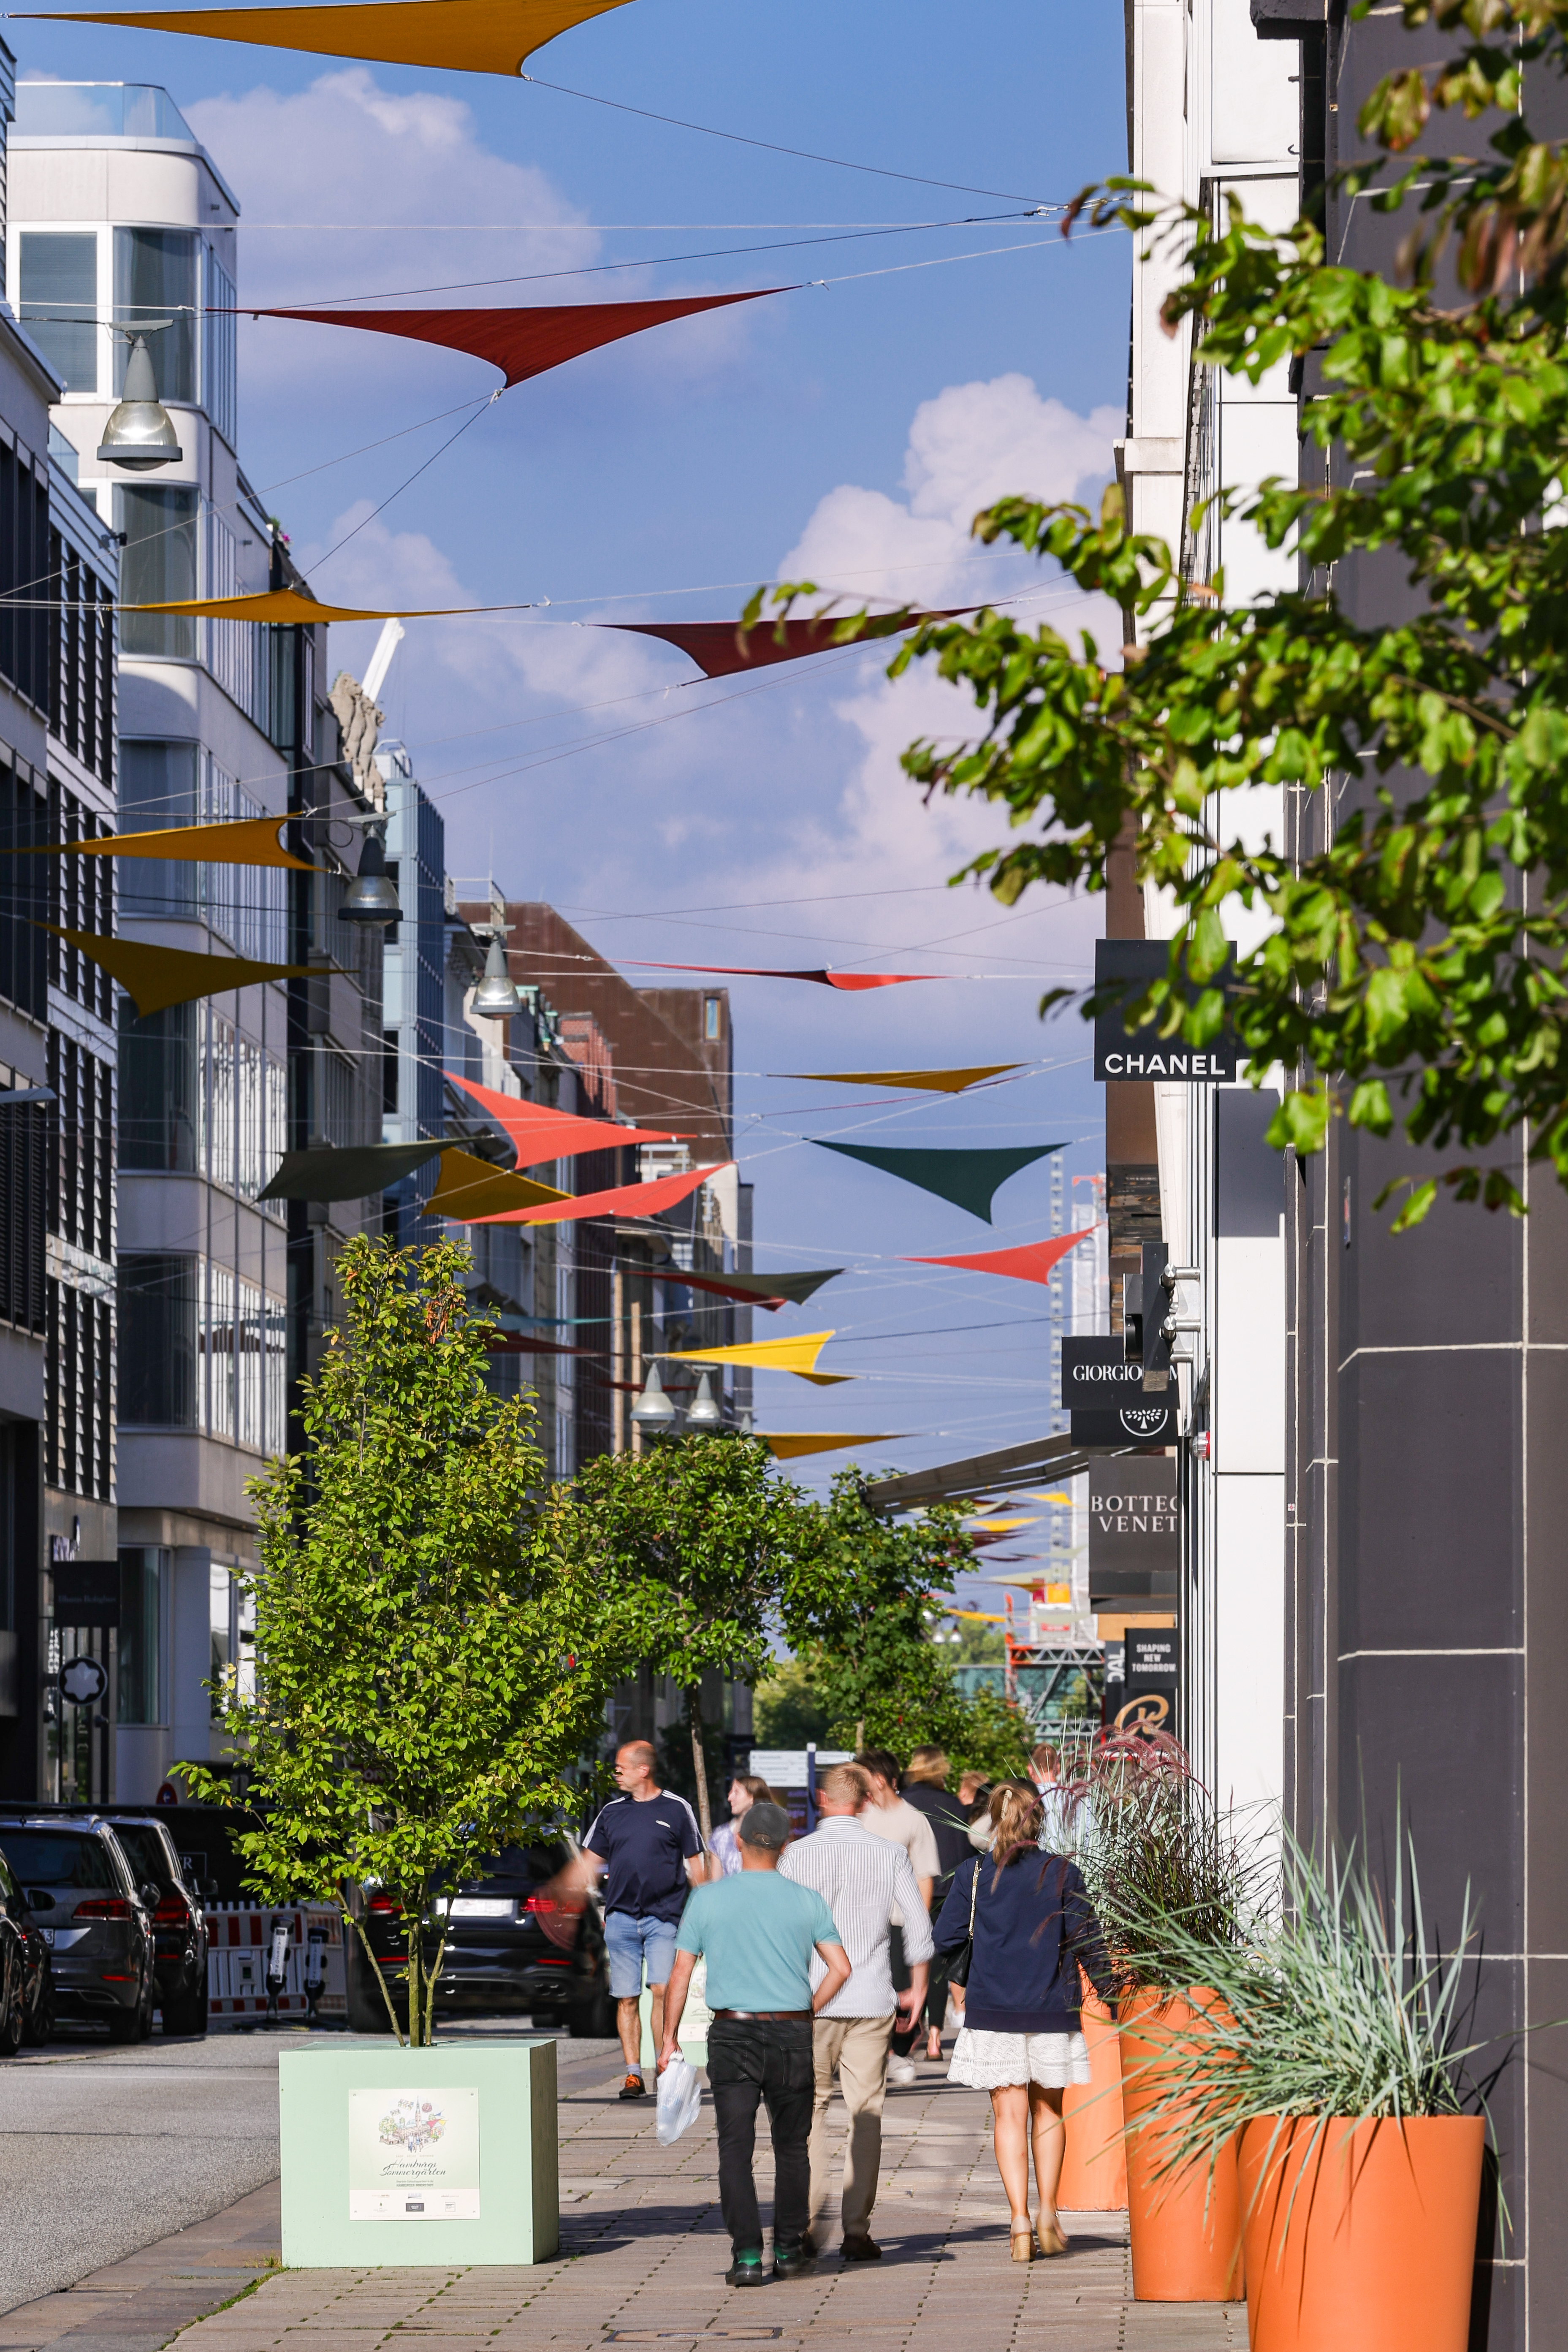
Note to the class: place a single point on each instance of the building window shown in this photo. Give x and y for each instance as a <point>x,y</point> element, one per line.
<point>81,1184</point>
<point>81,899</point>
<point>24,1183</point>
<point>81,663</point>
<point>221,1618</point>
<point>24,884</point>
<point>160,1109</point>
<point>24,573</point>
<point>710,1016</point>
<point>143,1602</point>
<point>159,1310</point>
<point>78,1394</point>
<point>59,302</point>
<point>158,788</point>
<point>157,566</point>
<point>219,372</point>
<point>155,277</point>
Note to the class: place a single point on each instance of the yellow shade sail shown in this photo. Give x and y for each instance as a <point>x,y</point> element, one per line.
<point>289,604</point>
<point>1054,1497</point>
<point>248,841</point>
<point>929,1082</point>
<point>154,977</point>
<point>787,1445</point>
<point>461,36</point>
<point>796,1355</point>
<point>1002,1527</point>
<point>471,1187</point>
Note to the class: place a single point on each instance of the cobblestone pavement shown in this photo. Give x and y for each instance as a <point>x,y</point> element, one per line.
<point>642,2263</point>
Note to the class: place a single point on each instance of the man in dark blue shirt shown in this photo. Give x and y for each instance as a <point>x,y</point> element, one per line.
<point>648,1843</point>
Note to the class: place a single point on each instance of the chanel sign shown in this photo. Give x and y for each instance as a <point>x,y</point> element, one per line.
<point>1126,966</point>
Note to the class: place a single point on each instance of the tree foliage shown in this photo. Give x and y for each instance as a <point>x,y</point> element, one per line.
<point>1413,970</point>
<point>430,1661</point>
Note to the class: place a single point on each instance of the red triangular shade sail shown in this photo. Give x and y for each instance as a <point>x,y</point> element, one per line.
<point>1032,1263</point>
<point>767,972</point>
<point>541,1134</point>
<point>720,647</point>
<point>622,1200</point>
<point>513,1343</point>
<point>522,343</point>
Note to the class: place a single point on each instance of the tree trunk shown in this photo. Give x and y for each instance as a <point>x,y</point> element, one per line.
<point>415,2013</point>
<point>699,1765</point>
<point>860,1733</point>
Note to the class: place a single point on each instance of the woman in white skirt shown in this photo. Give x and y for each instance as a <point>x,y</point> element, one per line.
<point>1033,1926</point>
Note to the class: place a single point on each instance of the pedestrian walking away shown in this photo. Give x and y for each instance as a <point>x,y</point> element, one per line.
<point>887,1814</point>
<point>865,1880</point>
<point>648,1843</point>
<point>926,1789</point>
<point>1057,1808</point>
<point>757,1932</point>
<point>745,1791</point>
<point>1033,1927</point>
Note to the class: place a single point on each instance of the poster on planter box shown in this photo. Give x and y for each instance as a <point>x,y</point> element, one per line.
<point>414,2156</point>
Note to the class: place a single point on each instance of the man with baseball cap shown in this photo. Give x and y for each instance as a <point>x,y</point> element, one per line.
<point>757,1932</point>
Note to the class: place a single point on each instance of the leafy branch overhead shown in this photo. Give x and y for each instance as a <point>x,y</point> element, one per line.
<point>1416,923</point>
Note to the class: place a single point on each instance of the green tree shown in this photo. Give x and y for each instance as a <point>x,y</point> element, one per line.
<point>1412,971</point>
<point>788,1709</point>
<point>428,1662</point>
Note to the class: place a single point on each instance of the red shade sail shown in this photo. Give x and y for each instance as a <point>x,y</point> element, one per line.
<point>622,1201</point>
<point>766,971</point>
<point>720,647</point>
<point>523,343</point>
<point>543,1134</point>
<point>769,1290</point>
<point>1033,1263</point>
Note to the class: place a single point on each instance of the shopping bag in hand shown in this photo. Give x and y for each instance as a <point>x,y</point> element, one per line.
<point>680,2098</point>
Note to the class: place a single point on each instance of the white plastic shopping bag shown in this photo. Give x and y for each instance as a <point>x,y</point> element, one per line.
<point>680,2098</point>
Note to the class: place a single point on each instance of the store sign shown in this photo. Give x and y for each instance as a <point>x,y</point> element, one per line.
<point>1153,1673</point>
<point>1134,1522</point>
<point>1121,1052</point>
<point>87,1593</point>
<point>1106,1395</point>
<point>414,2155</point>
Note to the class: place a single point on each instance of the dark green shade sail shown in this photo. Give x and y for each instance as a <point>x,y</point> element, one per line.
<point>970,1179</point>
<point>347,1174</point>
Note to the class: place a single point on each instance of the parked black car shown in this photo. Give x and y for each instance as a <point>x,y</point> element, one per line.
<point>14,1965</point>
<point>500,1952</point>
<point>179,1923</point>
<point>79,1885</point>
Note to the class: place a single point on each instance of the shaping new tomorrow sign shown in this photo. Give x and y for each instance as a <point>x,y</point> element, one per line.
<point>1123,1053</point>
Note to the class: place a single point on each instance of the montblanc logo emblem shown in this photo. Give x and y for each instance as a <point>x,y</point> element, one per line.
<point>1144,1419</point>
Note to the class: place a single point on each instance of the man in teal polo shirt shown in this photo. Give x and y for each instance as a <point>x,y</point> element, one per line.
<point>757,1932</point>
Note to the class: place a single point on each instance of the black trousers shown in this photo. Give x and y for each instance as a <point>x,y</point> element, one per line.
<point>934,2011</point>
<point>753,2061</point>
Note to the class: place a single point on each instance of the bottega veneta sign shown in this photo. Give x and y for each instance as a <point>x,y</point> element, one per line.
<point>1108,1400</point>
<point>1121,1052</point>
<point>1134,1529</point>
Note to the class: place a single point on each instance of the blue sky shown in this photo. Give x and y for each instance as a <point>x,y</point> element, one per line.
<point>852,430</point>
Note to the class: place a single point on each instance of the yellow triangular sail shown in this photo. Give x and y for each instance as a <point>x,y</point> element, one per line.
<point>282,605</point>
<point>796,1355</point>
<point>248,841</point>
<point>470,1187</point>
<point>155,977</point>
<point>461,36</point>
<point>785,1445</point>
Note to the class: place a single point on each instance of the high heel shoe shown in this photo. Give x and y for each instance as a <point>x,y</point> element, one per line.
<point>1049,2236</point>
<point>1023,2241</point>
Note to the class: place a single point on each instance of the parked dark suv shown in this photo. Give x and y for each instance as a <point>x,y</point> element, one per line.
<point>14,1965</point>
<point>179,1923</point>
<point>501,1950</point>
<point>38,1979</point>
<point>79,1886</point>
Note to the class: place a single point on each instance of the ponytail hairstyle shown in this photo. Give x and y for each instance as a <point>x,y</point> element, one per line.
<point>1016,1816</point>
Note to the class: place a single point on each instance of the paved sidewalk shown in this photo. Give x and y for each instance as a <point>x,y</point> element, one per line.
<point>643,2260</point>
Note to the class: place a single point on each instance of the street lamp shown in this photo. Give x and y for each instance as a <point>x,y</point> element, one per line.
<point>140,433</point>
<point>653,1410</point>
<point>496,994</point>
<point>372,896</point>
<point>702,1412</point>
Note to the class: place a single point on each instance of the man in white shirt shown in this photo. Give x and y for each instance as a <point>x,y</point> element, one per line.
<point>889,1815</point>
<point>868,1883</point>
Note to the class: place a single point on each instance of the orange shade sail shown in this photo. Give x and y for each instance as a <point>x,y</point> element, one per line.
<point>932,1082</point>
<point>1033,1263</point>
<point>281,604</point>
<point>540,1133</point>
<point>461,36</point>
<point>787,1445</point>
<point>155,977</point>
<point>525,343</point>
<point>620,1201</point>
<point>852,980</point>
<point>469,1188</point>
<point>720,648</point>
<point>248,841</point>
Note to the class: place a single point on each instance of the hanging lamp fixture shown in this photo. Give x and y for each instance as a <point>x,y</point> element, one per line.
<point>140,433</point>
<point>496,996</point>
<point>653,1410</point>
<point>372,896</point>
<point>702,1412</point>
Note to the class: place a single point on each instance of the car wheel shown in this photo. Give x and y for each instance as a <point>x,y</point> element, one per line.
<point>144,2012</point>
<point>39,2023</point>
<point>15,2017</point>
<point>125,2025</point>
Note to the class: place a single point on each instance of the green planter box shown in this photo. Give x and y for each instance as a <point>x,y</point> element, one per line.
<point>414,2156</point>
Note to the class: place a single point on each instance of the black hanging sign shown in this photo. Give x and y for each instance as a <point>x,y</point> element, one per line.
<point>1120,1052</point>
<point>1108,1399</point>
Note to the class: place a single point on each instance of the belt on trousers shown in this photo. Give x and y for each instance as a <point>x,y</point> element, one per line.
<point>769,2016</point>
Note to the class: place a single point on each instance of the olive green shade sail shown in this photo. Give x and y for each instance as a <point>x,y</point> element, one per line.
<point>767,1291</point>
<point>970,1179</point>
<point>470,1187</point>
<point>925,1082</point>
<point>246,841</point>
<point>491,37</point>
<point>350,1173</point>
<point>156,977</point>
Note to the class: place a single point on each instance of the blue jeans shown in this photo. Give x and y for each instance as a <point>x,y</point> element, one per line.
<point>633,1943</point>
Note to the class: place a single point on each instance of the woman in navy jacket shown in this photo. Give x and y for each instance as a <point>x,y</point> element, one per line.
<point>1034,1926</point>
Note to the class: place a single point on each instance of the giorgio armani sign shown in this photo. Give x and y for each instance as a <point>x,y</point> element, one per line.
<point>1120,1052</point>
<point>1108,1400</point>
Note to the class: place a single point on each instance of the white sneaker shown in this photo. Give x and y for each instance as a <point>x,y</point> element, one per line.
<point>900,2071</point>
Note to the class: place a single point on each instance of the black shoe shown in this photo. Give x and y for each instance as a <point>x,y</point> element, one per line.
<point>746,2271</point>
<point>808,2245</point>
<point>634,2087</point>
<point>861,2249</point>
<point>794,2261</point>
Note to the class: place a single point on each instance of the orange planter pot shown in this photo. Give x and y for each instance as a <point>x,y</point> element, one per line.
<point>1094,2169</point>
<point>1185,2226</point>
<point>1379,2245</point>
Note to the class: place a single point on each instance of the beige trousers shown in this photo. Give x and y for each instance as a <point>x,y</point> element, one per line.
<point>857,2048</point>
